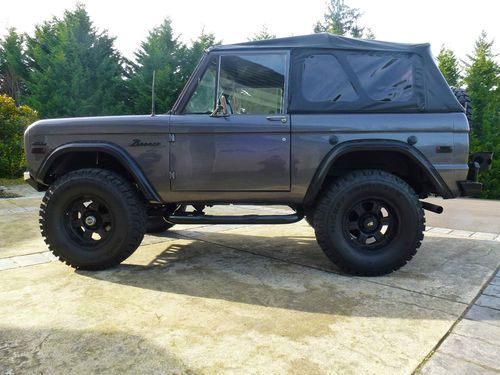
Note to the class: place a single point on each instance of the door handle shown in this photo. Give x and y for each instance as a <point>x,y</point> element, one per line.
<point>282,119</point>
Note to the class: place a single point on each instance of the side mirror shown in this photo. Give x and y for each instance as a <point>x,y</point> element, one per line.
<point>221,108</point>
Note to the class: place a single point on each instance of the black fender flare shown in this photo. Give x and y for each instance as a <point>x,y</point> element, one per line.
<point>374,145</point>
<point>105,147</point>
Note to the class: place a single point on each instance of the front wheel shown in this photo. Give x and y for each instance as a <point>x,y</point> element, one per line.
<point>92,219</point>
<point>369,223</point>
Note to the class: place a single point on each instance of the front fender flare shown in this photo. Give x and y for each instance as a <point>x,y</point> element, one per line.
<point>105,147</point>
<point>374,145</point>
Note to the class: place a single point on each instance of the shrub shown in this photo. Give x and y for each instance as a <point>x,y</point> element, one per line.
<point>13,122</point>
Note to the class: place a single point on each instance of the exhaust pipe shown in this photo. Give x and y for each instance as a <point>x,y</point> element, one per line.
<point>432,207</point>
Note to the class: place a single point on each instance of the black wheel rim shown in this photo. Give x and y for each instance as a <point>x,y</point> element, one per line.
<point>370,224</point>
<point>88,221</point>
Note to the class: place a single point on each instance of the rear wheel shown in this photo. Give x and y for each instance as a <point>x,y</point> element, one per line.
<point>92,219</point>
<point>369,223</point>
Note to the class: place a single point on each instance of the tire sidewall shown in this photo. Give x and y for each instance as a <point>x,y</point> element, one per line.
<point>406,236</point>
<point>55,229</point>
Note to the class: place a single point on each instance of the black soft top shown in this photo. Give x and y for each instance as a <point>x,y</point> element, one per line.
<point>329,41</point>
<point>369,66</point>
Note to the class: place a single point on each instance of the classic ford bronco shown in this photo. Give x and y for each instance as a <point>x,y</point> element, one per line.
<point>350,134</point>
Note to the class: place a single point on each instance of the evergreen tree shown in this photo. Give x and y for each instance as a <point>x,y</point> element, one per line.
<point>160,52</point>
<point>13,71</point>
<point>448,64</point>
<point>74,69</point>
<point>341,19</point>
<point>483,81</point>
<point>173,62</point>
<point>191,56</point>
<point>263,34</point>
<point>369,34</point>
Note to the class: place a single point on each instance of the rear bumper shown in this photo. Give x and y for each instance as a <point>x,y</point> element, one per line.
<point>470,188</point>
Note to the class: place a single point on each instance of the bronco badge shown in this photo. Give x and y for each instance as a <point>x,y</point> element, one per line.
<point>139,143</point>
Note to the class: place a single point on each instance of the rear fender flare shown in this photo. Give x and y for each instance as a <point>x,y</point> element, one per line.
<point>374,145</point>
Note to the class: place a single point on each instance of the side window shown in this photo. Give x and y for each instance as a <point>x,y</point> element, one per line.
<point>324,80</point>
<point>202,100</point>
<point>253,83</point>
<point>384,77</point>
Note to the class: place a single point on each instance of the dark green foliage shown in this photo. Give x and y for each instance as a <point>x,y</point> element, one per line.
<point>13,70</point>
<point>192,56</point>
<point>74,69</point>
<point>13,123</point>
<point>341,19</point>
<point>449,66</point>
<point>161,52</point>
<point>263,34</point>
<point>483,80</point>
<point>173,62</point>
<point>369,34</point>
<point>69,68</point>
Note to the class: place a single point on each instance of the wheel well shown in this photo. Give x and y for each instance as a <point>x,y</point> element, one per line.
<point>393,162</point>
<point>86,159</point>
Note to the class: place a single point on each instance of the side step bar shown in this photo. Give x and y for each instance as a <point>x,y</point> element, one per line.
<point>243,219</point>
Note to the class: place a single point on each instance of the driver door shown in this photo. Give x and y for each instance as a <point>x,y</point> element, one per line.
<point>245,149</point>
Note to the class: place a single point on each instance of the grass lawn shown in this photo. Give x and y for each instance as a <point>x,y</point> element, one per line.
<point>6,182</point>
<point>11,181</point>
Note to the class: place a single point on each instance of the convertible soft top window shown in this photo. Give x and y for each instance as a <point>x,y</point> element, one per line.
<point>333,85</point>
<point>384,77</point>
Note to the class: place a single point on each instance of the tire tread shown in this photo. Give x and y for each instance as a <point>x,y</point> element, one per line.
<point>331,193</point>
<point>122,189</point>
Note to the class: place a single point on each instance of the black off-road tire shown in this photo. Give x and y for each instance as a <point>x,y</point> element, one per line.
<point>114,202</point>
<point>309,217</point>
<point>465,100</point>
<point>349,209</point>
<point>157,224</point>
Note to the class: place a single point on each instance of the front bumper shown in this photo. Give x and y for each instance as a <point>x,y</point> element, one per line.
<point>33,183</point>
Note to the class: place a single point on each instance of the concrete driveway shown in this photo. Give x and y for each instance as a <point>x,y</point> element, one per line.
<point>246,299</point>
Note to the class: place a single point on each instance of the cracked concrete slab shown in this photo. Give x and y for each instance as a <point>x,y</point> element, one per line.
<point>485,315</point>
<point>207,308</point>
<point>451,268</point>
<point>20,234</point>
<point>240,299</point>
<point>489,301</point>
<point>446,364</point>
<point>480,331</point>
<point>473,343</point>
<point>472,350</point>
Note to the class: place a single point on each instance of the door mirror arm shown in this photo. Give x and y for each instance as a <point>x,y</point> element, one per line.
<point>221,107</point>
<point>216,112</point>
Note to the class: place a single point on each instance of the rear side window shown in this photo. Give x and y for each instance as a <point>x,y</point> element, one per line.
<point>324,80</point>
<point>384,77</point>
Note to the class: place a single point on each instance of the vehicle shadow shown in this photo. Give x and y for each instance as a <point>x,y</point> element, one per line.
<point>252,275</point>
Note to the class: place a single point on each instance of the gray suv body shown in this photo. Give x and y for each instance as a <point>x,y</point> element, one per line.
<point>349,133</point>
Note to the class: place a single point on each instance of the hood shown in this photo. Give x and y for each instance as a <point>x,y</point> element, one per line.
<point>100,125</point>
